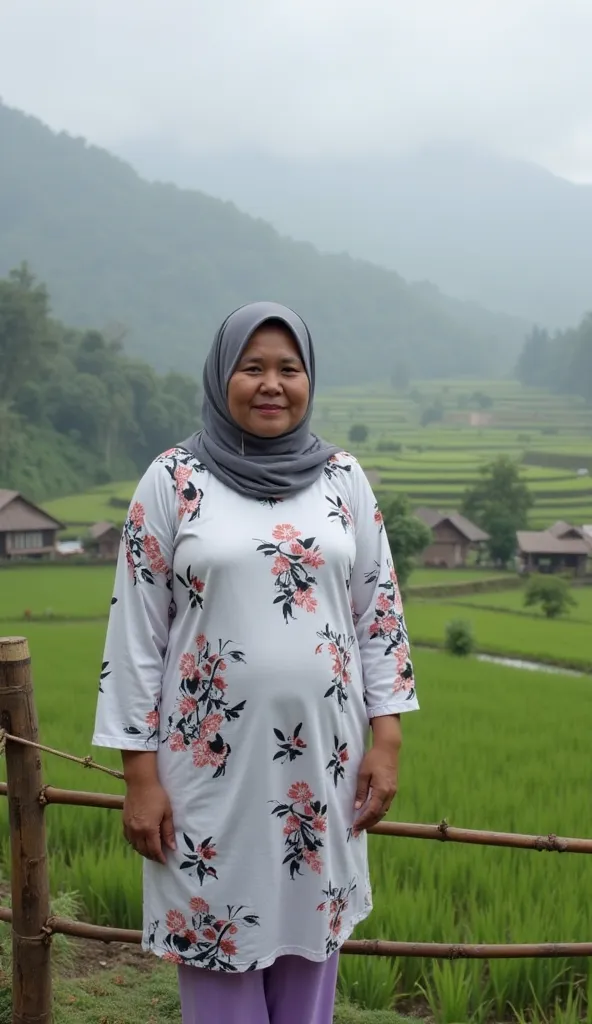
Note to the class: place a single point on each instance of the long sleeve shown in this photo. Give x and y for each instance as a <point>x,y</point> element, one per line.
<point>383,640</point>
<point>131,676</point>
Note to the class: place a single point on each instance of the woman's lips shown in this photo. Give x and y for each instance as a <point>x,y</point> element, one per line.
<point>269,410</point>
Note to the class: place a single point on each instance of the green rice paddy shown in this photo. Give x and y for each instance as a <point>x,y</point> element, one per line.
<point>492,748</point>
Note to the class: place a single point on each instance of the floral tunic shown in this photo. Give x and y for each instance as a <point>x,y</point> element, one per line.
<point>249,643</point>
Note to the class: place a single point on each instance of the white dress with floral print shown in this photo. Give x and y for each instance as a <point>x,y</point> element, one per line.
<point>249,643</point>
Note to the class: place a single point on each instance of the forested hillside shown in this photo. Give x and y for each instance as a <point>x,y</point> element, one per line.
<point>74,409</point>
<point>168,265</point>
<point>562,362</point>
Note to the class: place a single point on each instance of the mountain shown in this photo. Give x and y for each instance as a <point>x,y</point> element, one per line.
<point>165,266</point>
<point>500,232</point>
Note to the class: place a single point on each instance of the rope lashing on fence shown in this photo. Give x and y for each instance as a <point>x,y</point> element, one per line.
<point>85,762</point>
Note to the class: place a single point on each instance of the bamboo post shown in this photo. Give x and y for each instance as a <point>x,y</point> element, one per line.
<point>31,964</point>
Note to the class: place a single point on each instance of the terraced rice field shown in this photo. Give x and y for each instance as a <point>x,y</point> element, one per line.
<point>551,435</point>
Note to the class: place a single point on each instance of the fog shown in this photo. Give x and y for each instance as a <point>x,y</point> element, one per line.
<point>309,77</point>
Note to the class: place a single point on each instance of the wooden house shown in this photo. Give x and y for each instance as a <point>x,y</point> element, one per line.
<point>104,540</point>
<point>26,531</point>
<point>543,551</point>
<point>454,537</point>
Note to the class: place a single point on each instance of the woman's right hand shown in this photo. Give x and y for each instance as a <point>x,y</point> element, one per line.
<point>147,814</point>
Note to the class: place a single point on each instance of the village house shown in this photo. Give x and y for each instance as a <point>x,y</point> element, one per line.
<point>104,540</point>
<point>454,537</point>
<point>26,531</point>
<point>561,548</point>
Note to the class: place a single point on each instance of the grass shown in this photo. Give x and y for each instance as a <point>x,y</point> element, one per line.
<point>63,591</point>
<point>118,997</point>
<point>513,601</point>
<point>559,641</point>
<point>448,577</point>
<point>491,748</point>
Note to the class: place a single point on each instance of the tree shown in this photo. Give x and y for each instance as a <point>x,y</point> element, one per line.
<point>358,433</point>
<point>400,376</point>
<point>552,593</point>
<point>499,503</point>
<point>433,413</point>
<point>407,535</point>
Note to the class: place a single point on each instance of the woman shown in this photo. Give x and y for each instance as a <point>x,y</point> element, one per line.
<point>256,631</point>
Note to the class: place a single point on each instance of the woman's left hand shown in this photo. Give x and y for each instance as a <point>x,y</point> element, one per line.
<point>378,774</point>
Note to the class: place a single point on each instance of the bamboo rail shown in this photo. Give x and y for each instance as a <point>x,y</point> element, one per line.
<point>403,829</point>
<point>354,947</point>
<point>32,925</point>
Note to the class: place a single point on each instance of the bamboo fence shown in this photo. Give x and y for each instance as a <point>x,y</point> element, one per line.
<point>32,924</point>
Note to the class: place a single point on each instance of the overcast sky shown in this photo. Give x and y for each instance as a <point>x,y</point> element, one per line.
<point>309,76</point>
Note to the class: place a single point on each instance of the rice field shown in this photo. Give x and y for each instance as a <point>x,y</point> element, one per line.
<point>492,748</point>
<point>564,642</point>
<point>550,434</point>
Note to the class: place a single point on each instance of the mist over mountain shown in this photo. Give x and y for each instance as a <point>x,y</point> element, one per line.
<point>503,233</point>
<point>163,266</point>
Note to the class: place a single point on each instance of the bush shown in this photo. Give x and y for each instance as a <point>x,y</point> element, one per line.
<point>552,593</point>
<point>459,638</point>
<point>358,433</point>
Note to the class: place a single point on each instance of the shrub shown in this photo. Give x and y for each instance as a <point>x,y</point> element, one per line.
<point>358,433</point>
<point>459,638</point>
<point>552,593</point>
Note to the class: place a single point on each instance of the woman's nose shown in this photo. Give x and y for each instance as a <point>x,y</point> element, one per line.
<point>271,382</point>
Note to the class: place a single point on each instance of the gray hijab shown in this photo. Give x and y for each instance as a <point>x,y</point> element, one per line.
<point>258,467</point>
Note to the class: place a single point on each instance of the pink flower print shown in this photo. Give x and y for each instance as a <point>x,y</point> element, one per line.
<point>203,754</point>
<point>313,558</point>
<point>378,518</point>
<point>155,557</point>
<point>232,930</point>
<point>175,921</point>
<point>172,958</point>
<point>374,629</point>
<point>284,531</point>
<point>319,823</point>
<point>210,725</point>
<point>339,646</point>
<point>313,860</point>
<point>222,665</point>
<point>197,584</point>
<point>200,642</point>
<point>187,705</point>
<point>176,742</point>
<point>188,666</point>
<point>383,602</point>
<point>292,825</point>
<point>389,624</point>
<point>209,934</point>
<point>401,658</point>
<point>198,906</point>
<point>228,947</point>
<point>305,599</point>
<point>191,936</point>
<point>153,719</point>
<point>280,564</point>
<point>207,852</point>
<point>182,475</point>
<point>137,515</point>
<point>300,792</point>
<point>344,756</point>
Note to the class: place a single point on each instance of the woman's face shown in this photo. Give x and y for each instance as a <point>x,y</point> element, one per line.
<point>269,390</point>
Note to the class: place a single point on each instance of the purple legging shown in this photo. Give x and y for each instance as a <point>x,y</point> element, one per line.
<point>292,991</point>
